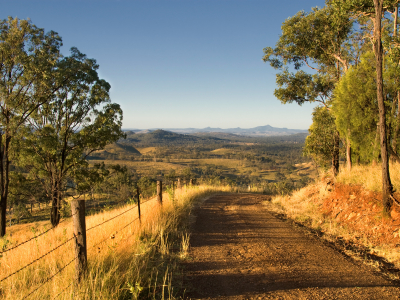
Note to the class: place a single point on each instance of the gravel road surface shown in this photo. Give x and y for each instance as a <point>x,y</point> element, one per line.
<point>239,250</point>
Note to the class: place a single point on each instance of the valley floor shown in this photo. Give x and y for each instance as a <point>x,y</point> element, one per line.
<point>240,250</point>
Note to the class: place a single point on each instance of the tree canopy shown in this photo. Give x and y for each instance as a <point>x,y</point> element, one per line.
<point>54,112</point>
<point>351,49</point>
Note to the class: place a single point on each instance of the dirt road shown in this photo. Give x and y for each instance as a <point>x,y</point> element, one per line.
<point>241,251</point>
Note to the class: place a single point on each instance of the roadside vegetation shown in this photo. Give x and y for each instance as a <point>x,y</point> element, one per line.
<point>140,260</point>
<point>351,50</point>
<point>347,211</point>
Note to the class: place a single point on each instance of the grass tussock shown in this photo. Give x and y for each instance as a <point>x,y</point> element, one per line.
<point>127,259</point>
<point>370,176</point>
<point>302,205</point>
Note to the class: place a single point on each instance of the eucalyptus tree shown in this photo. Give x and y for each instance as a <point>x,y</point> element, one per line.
<point>318,40</point>
<point>317,145</point>
<point>392,42</point>
<point>374,10</point>
<point>355,108</point>
<point>28,65</point>
<point>63,132</point>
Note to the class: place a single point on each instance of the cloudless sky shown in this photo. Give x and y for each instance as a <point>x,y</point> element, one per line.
<point>178,63</point>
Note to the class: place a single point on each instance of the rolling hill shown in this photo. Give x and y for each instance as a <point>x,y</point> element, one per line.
<point>258,131</point>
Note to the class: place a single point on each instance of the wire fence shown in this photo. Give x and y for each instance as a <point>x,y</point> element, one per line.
<point>61,221</point>
<point>110,219</point>
<point>31,239</point>
<point>114,232</point>
<point>50,278</point>
<point>156,191</point>
<point>37,259</point>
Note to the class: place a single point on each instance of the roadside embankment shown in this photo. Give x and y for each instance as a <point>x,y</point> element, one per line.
<point>350,216</point>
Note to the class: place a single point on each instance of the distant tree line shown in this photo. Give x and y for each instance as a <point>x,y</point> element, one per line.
<point>260,149</point>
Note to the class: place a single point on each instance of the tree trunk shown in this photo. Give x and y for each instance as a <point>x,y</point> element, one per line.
<point>55,205</point>
<point>397,128</point>
<point>387,188</point>
<point>3,216</point>
<point>376,153</point>
<point>335,153</point>
<point>4,178</point>
<point>10,213</point>
<point>348,153</point>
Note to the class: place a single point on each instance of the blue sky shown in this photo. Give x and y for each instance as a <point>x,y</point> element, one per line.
<point>178,63</point>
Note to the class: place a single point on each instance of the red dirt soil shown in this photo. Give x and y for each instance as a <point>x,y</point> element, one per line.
<point>361,212</point>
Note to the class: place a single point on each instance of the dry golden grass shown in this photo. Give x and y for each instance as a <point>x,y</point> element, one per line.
<point>125,257</point>
<point>303,204</point>
<point>224,162</point>
<point>222,151</point>
<point>147,150</point>
<point>370,177</point>
<point>228,163</point>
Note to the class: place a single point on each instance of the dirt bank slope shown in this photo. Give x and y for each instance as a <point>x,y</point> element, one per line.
<point>241,251</point>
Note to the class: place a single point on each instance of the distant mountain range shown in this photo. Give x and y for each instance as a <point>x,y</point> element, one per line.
<point>266,130</point>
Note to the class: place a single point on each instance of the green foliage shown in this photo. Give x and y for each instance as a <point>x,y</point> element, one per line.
<point>310,38</point>
<point>319,40</point>
<point>28,79</point>
<point>316,40</point>
<point>187,173</point>
<point>171,175</point>
<point>162,138</point>
<point>355,108</point>
<point>147,186</point>
<point>301,87</point>
<point>319,143</point>
<point>118,183</point>
<point>20,211</point>
<point>61,133</point>
<point>361,8</point>
<point>64,131</point>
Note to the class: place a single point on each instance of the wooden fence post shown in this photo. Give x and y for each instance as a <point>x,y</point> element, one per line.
<point>138,202</point>
<point>79,223</point>
<point>178,185</point>
<point>159,191</point>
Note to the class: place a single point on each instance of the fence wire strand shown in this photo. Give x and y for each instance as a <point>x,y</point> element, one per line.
<point>51,277</point>
<point>37,259</point>
<point>32,238</point>
<point>111,218</point>
<point>16,246</point>
<point>64,289</point>
<point>143,202</point>
<point>117,215</point>
<point>115,232</point>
